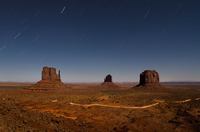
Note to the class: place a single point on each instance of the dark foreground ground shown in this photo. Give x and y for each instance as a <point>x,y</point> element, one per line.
<point>177,109</point>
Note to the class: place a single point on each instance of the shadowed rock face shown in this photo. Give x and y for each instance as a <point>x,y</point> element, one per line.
<point>149,78</point>
<point>50,79</point>
<point>108,78</point>
<point>108,83</point>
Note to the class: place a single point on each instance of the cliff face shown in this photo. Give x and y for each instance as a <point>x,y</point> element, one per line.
<point>108,82</point>
<point>149,78</point>
<point>50,79</point>
<point>108,78</point>
<point>50,74</point>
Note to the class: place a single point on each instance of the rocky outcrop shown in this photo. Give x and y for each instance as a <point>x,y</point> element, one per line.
<point>149,78</point>
<point>108,83</point>
<point>50,74</point>
<point>108,78</point>
<point>50,79</point>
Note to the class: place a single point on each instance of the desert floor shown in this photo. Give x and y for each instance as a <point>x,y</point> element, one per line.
<point>91,108</point>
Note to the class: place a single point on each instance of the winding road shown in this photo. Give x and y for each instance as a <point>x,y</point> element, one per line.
<point>129,107</point>
<point>114,106</point>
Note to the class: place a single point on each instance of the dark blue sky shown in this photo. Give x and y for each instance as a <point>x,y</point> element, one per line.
<point>88,39</point>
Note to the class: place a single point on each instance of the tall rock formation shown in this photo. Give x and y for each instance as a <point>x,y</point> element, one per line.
<point>108,78</point>
<point>108,83</point>
<point>50,79</point>
<point>50,74</point>
<point>149,78</point>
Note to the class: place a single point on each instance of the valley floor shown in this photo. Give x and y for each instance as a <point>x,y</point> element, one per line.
<point>89,109</point>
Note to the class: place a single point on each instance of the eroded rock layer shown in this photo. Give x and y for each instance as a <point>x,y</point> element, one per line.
<point>108,78</point>
<point>149,78</point>
<point>50,79</point>
<point>108,83</point>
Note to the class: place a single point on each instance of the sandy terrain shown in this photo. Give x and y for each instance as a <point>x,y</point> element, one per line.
<point>88,108</point>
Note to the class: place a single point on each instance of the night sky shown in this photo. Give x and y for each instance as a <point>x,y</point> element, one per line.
<point>88,39</point>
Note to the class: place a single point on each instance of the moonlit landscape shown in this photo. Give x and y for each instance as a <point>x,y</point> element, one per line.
<point>99,65</point>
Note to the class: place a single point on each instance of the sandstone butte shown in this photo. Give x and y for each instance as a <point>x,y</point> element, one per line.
<point>108,82</point>
<point>149,78</point>
<point>50,79</point>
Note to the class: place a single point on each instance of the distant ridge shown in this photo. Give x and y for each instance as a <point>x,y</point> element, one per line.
<point>181,83</point>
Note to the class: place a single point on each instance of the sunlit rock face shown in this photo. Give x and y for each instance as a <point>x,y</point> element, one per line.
<point>50,74</point>
<point>50,79</point>
<point>149,78</point>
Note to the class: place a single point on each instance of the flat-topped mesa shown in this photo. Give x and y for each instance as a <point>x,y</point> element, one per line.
<point>50,79</point>
<point>149,78</point>
<point>50,74</point>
